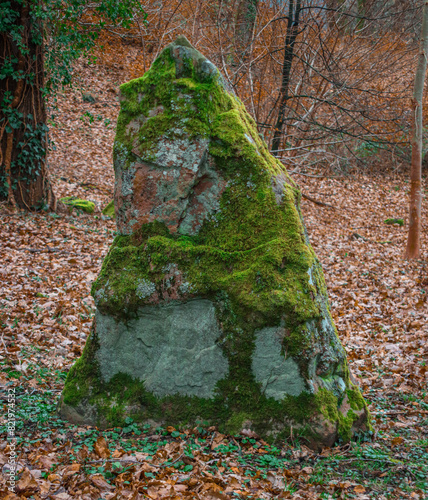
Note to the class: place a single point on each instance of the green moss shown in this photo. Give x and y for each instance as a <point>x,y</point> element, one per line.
<point>399,222</point>
<point>236,422</point>
<point>109,210</point>
<point>345,425</point>
<point>175,101</point>
<point>328,404</point>
<point>355,398</point>
<point>82,373</point>
<point>84,205</point>
<point>252,249</point>
<point>357,402</point>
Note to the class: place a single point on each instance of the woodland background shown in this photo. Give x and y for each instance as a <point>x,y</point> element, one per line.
<point>344,99</point>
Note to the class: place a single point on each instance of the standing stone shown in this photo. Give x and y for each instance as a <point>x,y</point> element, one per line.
<point>211,304</point>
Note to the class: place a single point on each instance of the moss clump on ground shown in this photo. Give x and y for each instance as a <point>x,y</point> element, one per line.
<point>251,258</point>
<point>399,222</point>
<point>77,203</point>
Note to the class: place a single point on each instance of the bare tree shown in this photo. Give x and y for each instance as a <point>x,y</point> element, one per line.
<point>414,235</point>
<point>340,95</point>
<point>327,81</point>
<point>294,11</point>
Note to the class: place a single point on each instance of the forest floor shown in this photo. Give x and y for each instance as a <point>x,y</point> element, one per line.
<point>378,300</point>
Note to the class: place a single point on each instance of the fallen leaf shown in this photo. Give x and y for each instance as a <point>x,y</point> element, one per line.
<point>397,440</point>
<point>100,482</point>
<point>101,448</point>
<point>359,489</point>
<point>27,485</point>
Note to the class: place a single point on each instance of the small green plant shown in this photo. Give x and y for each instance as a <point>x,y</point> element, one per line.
<point>131,426</point>
<point>87,114</point>
<point>367,149</point>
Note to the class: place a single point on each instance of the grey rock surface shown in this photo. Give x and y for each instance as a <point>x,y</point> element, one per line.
<point>171,348</point>
<point>279,375</point>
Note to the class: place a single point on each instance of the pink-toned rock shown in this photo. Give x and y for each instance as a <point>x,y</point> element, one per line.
<point>180,187</point>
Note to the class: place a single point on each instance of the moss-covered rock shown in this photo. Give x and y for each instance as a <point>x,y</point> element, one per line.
<point>211,304</point>
<point>77,203</point>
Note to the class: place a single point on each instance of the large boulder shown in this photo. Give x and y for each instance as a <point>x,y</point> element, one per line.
<point>211,304</point>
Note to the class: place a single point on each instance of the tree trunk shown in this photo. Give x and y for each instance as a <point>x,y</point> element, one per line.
<point>332,13</point>
<point>290,40</point>
<point>414,235</point>
<point>23,130</point>
<point>244,28</point>
<point>196,32</point>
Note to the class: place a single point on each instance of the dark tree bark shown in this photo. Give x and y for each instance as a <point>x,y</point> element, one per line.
<point>23,130</point>
<point>290,40</point>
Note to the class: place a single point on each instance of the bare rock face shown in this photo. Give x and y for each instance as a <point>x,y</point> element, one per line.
<point>211,304</point>
<point>179,188</point>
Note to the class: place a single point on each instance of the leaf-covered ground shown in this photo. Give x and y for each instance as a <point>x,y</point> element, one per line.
<point>379,302</point>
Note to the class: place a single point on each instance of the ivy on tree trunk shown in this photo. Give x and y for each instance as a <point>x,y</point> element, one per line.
<point>33,66</point>
<point>23,147</point>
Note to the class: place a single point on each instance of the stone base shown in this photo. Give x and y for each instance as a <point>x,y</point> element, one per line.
<point>173,365</point>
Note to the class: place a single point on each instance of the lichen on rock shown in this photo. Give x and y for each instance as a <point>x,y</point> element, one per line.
<point>211,303</point>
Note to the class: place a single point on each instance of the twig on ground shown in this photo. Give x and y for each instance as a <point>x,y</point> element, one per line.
<point>317,202</point>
